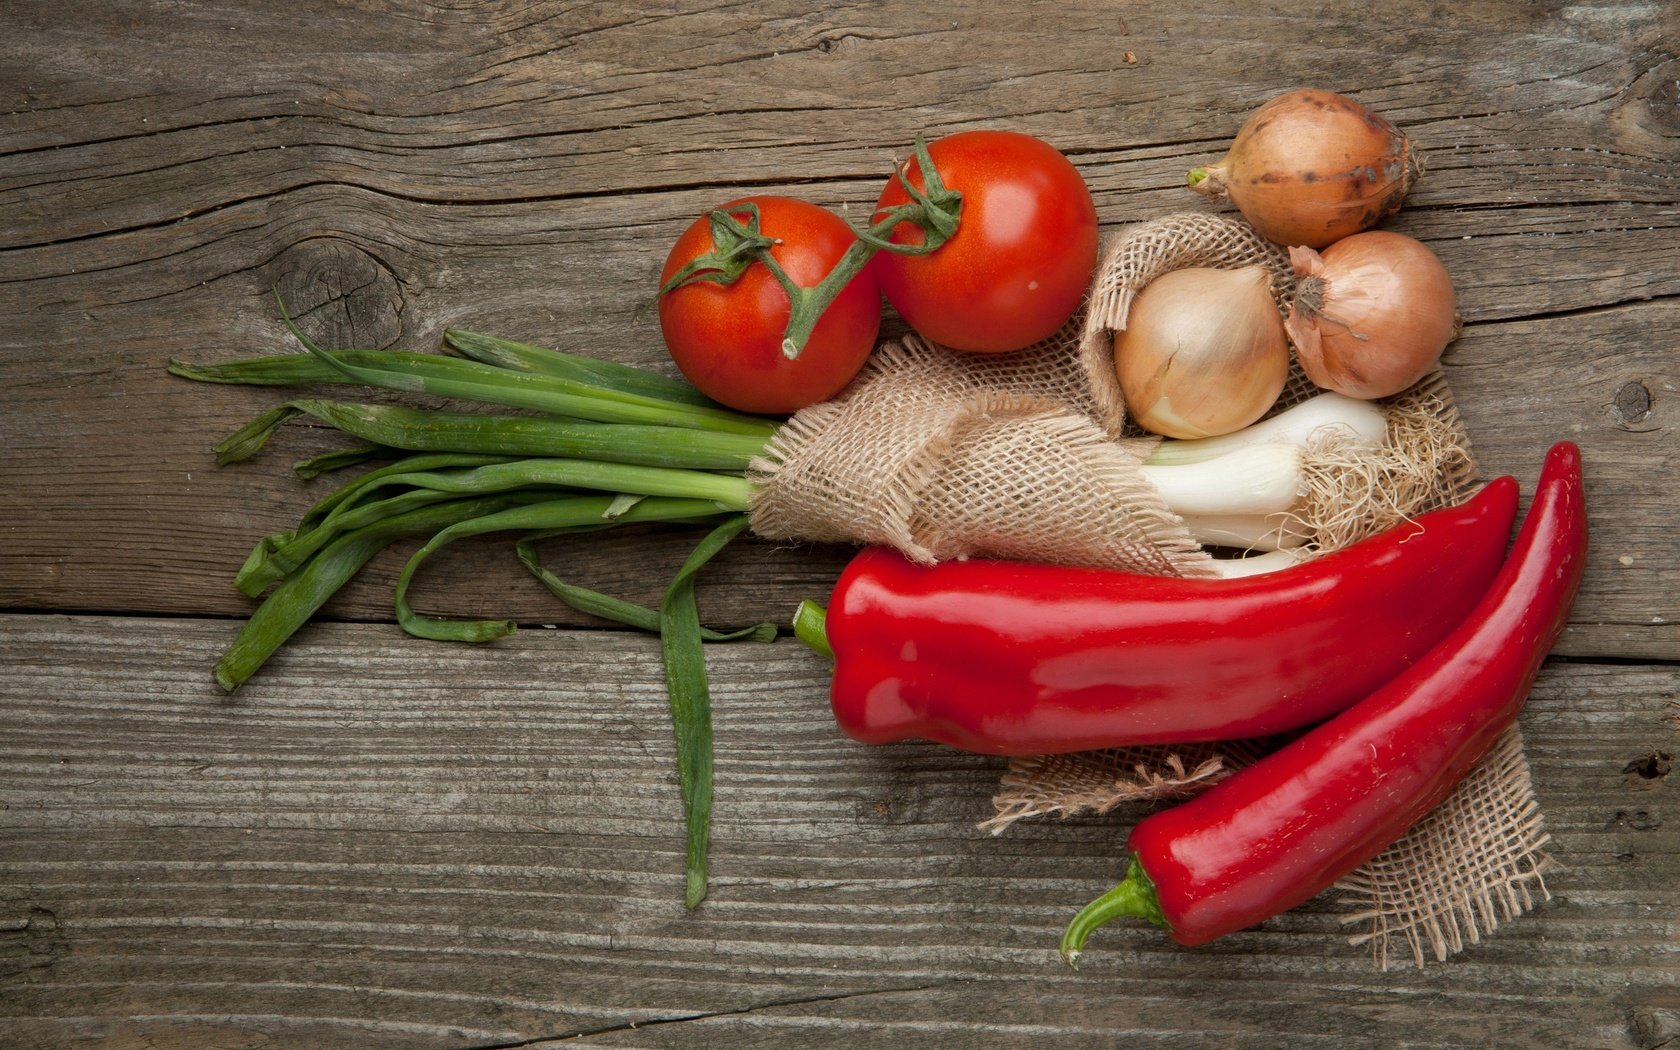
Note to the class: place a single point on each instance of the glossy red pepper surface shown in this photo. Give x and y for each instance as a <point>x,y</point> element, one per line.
<point>1278,832</point>
<point>1010,658</point>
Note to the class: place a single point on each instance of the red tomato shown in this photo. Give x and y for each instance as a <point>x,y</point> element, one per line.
<point>1024,250</point>
<point>727,339</point>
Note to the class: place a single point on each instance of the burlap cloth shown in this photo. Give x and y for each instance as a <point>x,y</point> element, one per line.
<point>1029,455</point>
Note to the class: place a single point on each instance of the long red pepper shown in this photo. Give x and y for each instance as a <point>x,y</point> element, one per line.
<point>1011,658</point>
<point>1278,832</point>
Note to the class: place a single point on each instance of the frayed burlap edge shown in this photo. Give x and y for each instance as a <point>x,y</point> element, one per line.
<point>945,455</point>
<point>1477,860</point>
<point>1097,781</point>
<point>1418,890</point>
<point>1492,825</point>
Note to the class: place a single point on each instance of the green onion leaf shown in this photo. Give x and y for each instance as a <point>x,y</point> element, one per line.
<point>355,490</point>
<point>291,604</point>
<point>690,698</point>
<point>611,375</point>
<point>729,492</point>
<point>472,381</point>
<point>327,462</point>
<point>428,430</point>
<point>618,610</point>
<point>566,512</point>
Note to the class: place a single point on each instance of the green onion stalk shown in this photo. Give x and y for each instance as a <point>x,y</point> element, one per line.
<point>591,445</point>
<point>594,444</point>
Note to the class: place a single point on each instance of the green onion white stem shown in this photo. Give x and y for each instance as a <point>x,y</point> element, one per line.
<point>1320,414</point>
<point>1262,479</point>
<point>1254,564</point>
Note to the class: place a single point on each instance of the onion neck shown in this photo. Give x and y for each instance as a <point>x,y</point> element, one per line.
<point>1309,295</point>
<point>1208,180</point>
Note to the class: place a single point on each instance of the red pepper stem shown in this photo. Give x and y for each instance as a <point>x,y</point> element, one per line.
<point>1134,896</point>
<point>810,625</point>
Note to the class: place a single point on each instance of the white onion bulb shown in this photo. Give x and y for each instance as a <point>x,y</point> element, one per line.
<point>1203,352</point>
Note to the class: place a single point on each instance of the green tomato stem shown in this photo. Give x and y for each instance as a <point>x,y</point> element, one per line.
<point>934,208</point>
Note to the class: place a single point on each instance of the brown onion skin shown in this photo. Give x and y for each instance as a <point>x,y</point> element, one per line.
<point>1310,167</point>
<point>1168,359</point>
<point>1372,313</point>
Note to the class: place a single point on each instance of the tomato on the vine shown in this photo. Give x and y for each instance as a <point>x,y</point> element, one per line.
<point>726,338</point>
<point>1023,254</point>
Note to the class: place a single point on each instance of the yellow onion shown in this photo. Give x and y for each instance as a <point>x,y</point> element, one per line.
<point>1311,167</point>
<point>1203,352</point>
<point>1372,313</point>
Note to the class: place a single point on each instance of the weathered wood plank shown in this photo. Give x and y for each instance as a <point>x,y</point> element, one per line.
<point>98,529</point>
<point>393,843</point>
<point>382,842</point>
<point>484,172</point>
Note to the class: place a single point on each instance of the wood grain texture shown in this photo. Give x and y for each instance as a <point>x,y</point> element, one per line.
<point>388,843</point>
<point>394,176</point>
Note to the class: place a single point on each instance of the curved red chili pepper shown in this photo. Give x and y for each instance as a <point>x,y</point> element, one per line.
<point>1278,832</point>
<point>1012,658</point>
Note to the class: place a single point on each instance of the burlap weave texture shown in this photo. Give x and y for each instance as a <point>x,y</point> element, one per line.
<point>1029,456</point>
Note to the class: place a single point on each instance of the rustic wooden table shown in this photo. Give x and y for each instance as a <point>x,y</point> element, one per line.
<point>382,842</point>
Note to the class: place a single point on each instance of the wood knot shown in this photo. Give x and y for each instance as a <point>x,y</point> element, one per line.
<point>1646,773</point>
<point>1637,819</point>
<point>1655,1028</point>
<point>342,295</point>
<point>1633,402</point>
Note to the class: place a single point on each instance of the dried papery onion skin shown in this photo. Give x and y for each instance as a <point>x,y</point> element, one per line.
<point>1203,352</point>
<point>1372,313</point>
<point>1310,167</point>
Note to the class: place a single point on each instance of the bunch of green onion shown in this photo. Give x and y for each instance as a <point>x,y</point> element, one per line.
<point>600,444</point>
